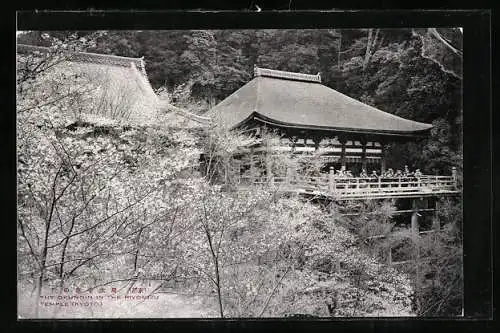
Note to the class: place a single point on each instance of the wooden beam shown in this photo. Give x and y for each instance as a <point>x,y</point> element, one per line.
<point>394,212</point>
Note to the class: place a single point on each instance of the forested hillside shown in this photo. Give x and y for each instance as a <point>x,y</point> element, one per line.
<point>413,73</point>
<point>105,202</point>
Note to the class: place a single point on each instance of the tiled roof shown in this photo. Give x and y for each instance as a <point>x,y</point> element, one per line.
<point>118,83</point>
<point>300,101</point>
<point>121,82</point>
<point>94,58</point>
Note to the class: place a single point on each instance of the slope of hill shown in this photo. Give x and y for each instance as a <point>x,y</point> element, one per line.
<point>104,198</point>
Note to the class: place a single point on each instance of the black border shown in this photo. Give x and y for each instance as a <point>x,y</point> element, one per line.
<point>211,19</point>
<point>478,124</point>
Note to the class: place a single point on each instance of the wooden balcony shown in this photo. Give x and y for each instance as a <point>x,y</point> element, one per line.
<point>358,188</point>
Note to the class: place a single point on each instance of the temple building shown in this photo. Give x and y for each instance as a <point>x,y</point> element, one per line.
<point>314,117</point>
<point>118,87</point>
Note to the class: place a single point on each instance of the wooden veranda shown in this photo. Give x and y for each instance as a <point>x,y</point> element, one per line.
<point>359,188</point>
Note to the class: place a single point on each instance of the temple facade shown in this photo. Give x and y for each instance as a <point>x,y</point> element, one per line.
<point>344,133</point>
<point>310,116</point>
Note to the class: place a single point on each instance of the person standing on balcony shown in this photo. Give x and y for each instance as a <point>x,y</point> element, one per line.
<point>390,173</point>
<point>363,174</point>
<point>406,173</point>
<point>418,174</point>
<point>341,173</point>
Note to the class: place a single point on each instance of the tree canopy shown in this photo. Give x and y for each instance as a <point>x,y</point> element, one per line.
<point>93,193</point>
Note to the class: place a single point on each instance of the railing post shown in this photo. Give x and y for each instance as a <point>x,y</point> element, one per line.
<point>379,183</point>
<point>331,180</point>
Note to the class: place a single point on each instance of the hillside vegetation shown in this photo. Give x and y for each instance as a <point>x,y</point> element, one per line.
<point>104,201</point>
<point>413,73</point>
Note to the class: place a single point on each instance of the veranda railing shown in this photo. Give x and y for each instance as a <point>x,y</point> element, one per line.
<point>355,186</point>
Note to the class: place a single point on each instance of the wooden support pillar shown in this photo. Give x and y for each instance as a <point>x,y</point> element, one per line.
<point>237,170</point>
<point>416,240</point>
<point>382,159</point>
<point>337,265</point>
<point>436,224</point>
<point>288,176</point>
<point>317,141</point>
<point>331,180</point>
<point>454,176</point>
<point>414,218</point>
<point>252,169</point>
<point>227,171</point>
<point>363,154</point>
<point>269,169</point>
<point>343,142</point>
<point>294,142</point>
<point>304,138</point>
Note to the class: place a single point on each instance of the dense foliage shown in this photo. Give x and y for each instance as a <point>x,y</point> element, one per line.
<point>94,192</point>
<point>413,73</point>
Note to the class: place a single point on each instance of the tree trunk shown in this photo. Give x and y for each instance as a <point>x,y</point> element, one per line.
<point>39,293</point>
<point>340,47</point>
<point>368,46</point>
<point>217,285</point>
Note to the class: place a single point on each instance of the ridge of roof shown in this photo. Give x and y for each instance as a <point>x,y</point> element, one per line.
<point>89,57</point>
<point>274,73</point>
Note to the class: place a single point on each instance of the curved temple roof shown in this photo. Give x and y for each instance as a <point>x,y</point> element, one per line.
<point>121,84</point>
<point>296,100</point>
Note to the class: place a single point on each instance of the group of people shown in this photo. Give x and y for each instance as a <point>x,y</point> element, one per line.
<point>389,173</point>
